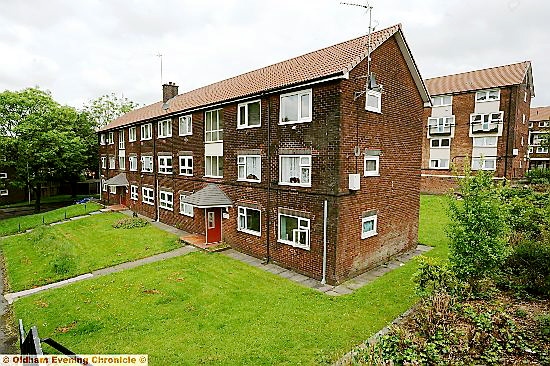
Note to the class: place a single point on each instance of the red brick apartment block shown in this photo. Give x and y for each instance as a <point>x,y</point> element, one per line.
<point>300,163</point>
<point>479,118</point>
<point>539,127</point>
<point>9,193</point>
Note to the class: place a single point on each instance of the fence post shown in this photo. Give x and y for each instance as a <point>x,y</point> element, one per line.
<point>43,220</point>
<point>19,227</point>
<point>65,214</point>
<point>84,208</point>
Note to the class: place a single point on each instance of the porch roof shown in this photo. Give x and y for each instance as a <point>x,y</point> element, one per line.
<point>117,180</point>
<point>209,196</point>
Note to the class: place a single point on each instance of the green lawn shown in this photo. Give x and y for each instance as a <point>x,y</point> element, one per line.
<point>205,308</point>
<point>51,199</point>
<point>433,220</point>
<point>49,254</point>
<point>15,224</point>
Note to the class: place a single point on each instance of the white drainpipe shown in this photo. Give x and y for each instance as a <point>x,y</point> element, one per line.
<point>324,280</point>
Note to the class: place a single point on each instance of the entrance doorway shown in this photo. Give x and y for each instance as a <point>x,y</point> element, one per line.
<point>213,224</point>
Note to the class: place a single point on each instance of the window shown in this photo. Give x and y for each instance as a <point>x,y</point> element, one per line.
<point>104,162</point>
<point>373,101</point>
<point>487,95</point>
<point>186,165</point>
<point>111,162</point>
<point>132,134</point>
<point>213,131</point>
<point>525,96</point>
<point>213,166</point>
<point>368,226</point>
<point>112,189</point>
<point>439,163</point>
<point>186,125</point>
<point>111,138</point>
<point>248,114</point>
<point>121,160</point>
<point>483,163</point>
<point>542,150</point>
<point>146,131</point>
<point>440,125</point>
<point>440,143</point>
<point>295,107</point>
<point>295,170</point>
<point>3,192</point>
<point>522,141</point>
<point>133,163</point>
<point>166,200</point>
<point>372,166</point>
<point>134,193</point>
<point>531,149</point>
<point>147,196</point>
<point>103,185</point>
<point>442,100</point>
<point>165,164</point>
<point>121,139</point>
<point>523,118</point>
<point>249,168</point>
<point>488,121</point>
<point>165,128</point>
<point>185,208</point>
<point>102,139</point>
<point>248,221</point>
<point>544,123</point>
<point>485,141</point>
<point>294,231</point>
<point>3,175</point>
<point>147,164</point>
<point>530,124</point>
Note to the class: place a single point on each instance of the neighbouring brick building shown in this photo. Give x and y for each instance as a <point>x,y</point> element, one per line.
<point>479,118</point>
<point>539,127</point>
<point>9,193</point>
<point>299,162</point>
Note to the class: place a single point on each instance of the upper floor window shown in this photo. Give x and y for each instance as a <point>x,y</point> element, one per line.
<point>4,192</point>
<point>121,139</point>
<point>249,168</point>
<point>3,175</point>
<point>111,138</point>
<point>165,128</point>
<point>147,164</point>
<point>111,162</point>
<point>103,162</point>
<point>102,139</point>
<point>440,125</point>
<point>544,124</point>
<point>294,231</point>
<point>147,196</point>
<point>133,163</point>
<point>132,134</point>
<point>542,150</point>
<point>248,114</point>
<point>490,141</point>
<point>165,164</point>
<point>166,200</point>
<point>213,166</point>
<point>374,101</point>
<point>371,166</point>
<point>147,131</point>
<point>485,122</point>
<point>295,170</point>
<point>121,160</point>
<point>186,165</point>
<point>213,128</point>
<point>248,220</point>
<point>487,95</point>
<point>186,125</point>
<point>296,107</point>
<point>442,100</point>
<point>440,143</point>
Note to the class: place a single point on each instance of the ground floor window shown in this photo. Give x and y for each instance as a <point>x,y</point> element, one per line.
<point>294,231</point>
<point>166,200</point>
<point>147,196</point>
<point>3,192</point>
<point>103,185</point>
<point>484,164</point>
<point>368,226</point>
<point>134,193</point>
<point>249,221</point>
<point>112,189</point>
<point>185,208</point>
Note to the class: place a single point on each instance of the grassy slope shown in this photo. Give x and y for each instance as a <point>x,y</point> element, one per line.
<point>207,308</point>
<point>77,247</point>
<point>11,225</point>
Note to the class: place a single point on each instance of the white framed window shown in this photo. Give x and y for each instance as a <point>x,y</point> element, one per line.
<point>544,123</point>
<point>525,96</point>
<point>249,168</point>
<point>484,163</point>
<point>213,166</point>
<point>440,124</point>
<point>490,141</point>
<point>368,226</point>
<point>523,118</point>
<point>147,164</point>
<point>442,100</point>
<point>147,195</point>
<point>104,162</point>
<point>121,140</point>
<point>4,192</point>
<point>186,125</point>
<point>530,124</point>
<point>186,165</point>
<point>213,126</point>
<point>295,170</point>
<point>132,134</point>
<point>185,208</point>
<point>165,128</point>
<point>102,139</point>
<point>296,107</point>
<point>531,149</point>
<point>147,131</point>
<point>249,114</point>
<point>112,189</point>
<point>134,195</point>
<point>133,163</point>
<point>371,166</point>
<point>103,185</point>
<point>249,220</point>
<point>166,200</point>
<point>121,160</point>
<point>294,231</point>
<point>373,101</point>
<point>112,162</point>
<point>165,164</point>
<point>522,141</point>
<point>542,150</point>
<point>111,138</point>
<point>439,163</point>
<point>440,143</point>
<point>487,95</point>
<point>3,175</point>
<point>488,121</point>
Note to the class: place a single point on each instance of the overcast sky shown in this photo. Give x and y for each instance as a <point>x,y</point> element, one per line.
<point>80,50</point>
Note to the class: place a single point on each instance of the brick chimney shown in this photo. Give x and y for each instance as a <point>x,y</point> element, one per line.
<point>169,91</point>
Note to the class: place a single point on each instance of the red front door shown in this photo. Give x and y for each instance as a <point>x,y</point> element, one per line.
<point>213,225</point>
<point>122,196</point>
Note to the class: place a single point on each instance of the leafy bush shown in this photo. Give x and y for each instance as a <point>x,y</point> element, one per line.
<point>435,276</point>
<point>130,223</point>
<point>538,176</point>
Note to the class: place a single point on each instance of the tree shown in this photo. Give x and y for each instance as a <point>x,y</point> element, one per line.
<point>41,140</point>
<point>107,108</point>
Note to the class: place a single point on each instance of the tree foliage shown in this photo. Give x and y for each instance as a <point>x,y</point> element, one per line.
<point>107,108</point>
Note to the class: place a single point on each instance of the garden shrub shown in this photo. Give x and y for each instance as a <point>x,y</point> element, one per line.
<point>435,276</point>
<point>527,269</point>
<point>130,223</point>
<point>538,176</point>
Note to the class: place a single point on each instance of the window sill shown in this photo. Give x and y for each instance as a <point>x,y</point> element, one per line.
<point>166,208</point>
<point>166,173</point>
<point>373,110</point>
<point>368,235</point>
<point>249,180</point>
<point>132,140</point>
<point>432,168</point>
<point>184,214</point>
<point>213,142</point>
<point>213,176</point>
<point>307,120</point>
<point>295,185</point>
<point>164,137</point>
<point>147,139</point>
<point>147,171</point>
<point>186,134</point>
<point>132,170</point>
<point>255,233</point>
<point>293,244</point>
<point>371,175</point>
<point>247,127</point>
<point>149,203</point>
<point>185,175</point>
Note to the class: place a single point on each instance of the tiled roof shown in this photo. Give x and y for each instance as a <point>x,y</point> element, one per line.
<point>117,180</point>
<point>209,196</point>
<point>540,114</point>
<point>330,61</point>
<point>493,77</point>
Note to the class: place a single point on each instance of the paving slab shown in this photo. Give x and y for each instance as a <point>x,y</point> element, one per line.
<point>342,290</point>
